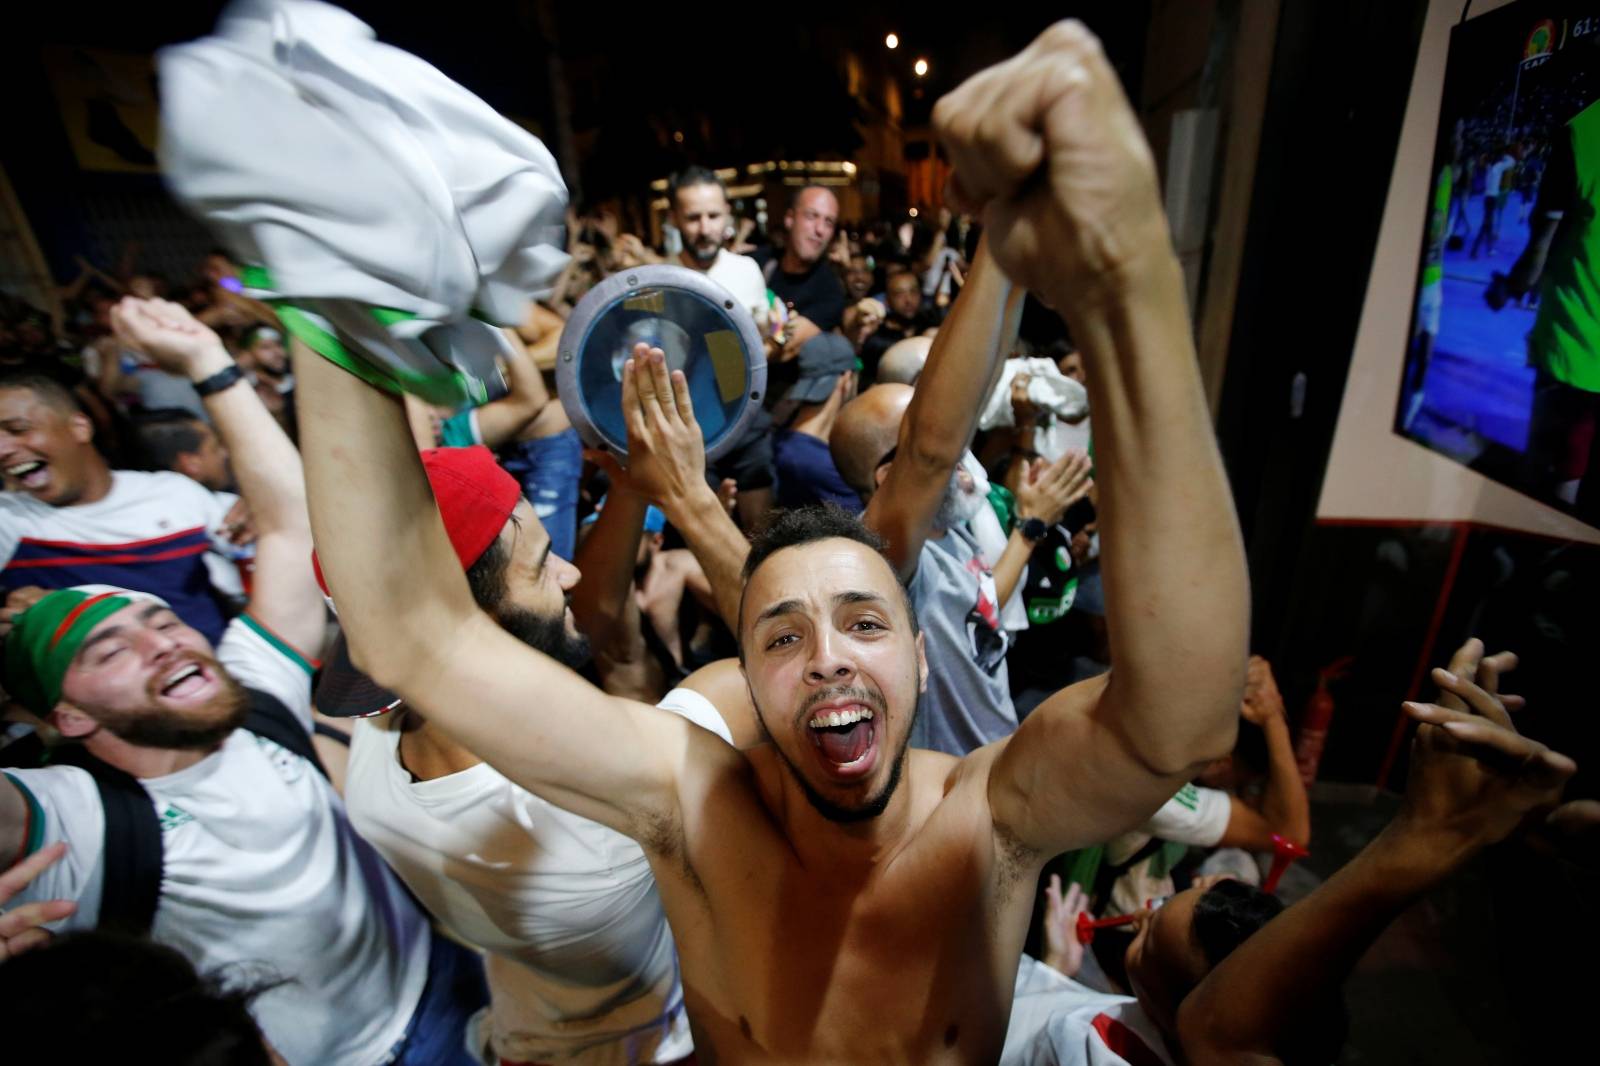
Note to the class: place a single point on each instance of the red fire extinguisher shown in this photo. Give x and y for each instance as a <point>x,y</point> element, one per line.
<point>1316,719</point>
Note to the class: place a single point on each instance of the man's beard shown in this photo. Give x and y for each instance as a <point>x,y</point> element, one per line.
<point>196,730</point>
<point>874,806</point>
<point>704,252</point>
<point>545,634</point>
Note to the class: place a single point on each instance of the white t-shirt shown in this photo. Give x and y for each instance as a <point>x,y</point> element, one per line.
<point>262,875</point>
<point>740,275</point>
<point>157,533</point>
<point>1055,1021</point>
<point>1497,171</point>
<point>1195,816</point>
<point>581,963</point>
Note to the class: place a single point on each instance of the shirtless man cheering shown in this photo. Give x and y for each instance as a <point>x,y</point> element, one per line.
<point>834,897</point>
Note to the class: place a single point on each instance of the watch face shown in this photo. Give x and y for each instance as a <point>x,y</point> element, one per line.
<point>1035,529</point>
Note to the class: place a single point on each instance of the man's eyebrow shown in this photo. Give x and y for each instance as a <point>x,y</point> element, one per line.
<point>145,614</point>
<point>99,638</point>
<point>858,596</point>
<point>783,607</point>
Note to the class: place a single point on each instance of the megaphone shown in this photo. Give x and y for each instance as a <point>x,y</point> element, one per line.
<point>703,331</point>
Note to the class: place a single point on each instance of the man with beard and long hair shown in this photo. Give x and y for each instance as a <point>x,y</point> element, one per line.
<point>580,961</point>
<point>882,919</point>
<point>251,859</point>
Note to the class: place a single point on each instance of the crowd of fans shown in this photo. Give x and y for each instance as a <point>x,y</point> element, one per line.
<point>269,803</point>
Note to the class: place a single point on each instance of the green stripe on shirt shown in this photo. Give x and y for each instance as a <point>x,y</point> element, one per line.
<point>277,642</point>
<point>35,839</point>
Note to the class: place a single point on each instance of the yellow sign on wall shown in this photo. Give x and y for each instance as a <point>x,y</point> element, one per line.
<point>108,105</point>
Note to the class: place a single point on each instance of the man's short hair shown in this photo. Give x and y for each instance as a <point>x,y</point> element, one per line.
<point>166,433</point>
<point>1229,913</point>
<point>798,526</point>
<point>91,994</point>
<point>46,390</point>
<point>689,177</point>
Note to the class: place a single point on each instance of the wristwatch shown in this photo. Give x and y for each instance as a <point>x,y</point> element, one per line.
<point>1033,529</point>
<point>222,379</point>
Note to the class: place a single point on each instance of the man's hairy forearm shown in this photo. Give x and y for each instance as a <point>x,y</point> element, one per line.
<point>1177,598</point>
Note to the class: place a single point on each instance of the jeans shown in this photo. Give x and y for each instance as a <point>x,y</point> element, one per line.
<point>456,990</point>
<point>549,469</point>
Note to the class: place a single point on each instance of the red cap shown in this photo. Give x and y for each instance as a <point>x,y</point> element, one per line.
<point>476,497</point>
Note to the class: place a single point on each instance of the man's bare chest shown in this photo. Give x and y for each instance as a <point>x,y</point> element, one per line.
<point>915,966</point>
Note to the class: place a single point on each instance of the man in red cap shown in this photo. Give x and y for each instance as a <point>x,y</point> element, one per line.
<point>581,964</point>
<point>191,803</point>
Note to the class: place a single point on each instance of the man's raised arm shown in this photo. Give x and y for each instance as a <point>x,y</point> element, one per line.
<point>1473,781</point>
<point>1047,146</point>
<point>413,627</point>
<point>943,413</point>
<point>284,597</point>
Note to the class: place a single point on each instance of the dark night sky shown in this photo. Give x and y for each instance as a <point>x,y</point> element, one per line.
<point>740,81</point>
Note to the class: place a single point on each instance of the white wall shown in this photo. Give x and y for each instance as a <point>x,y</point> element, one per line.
<point>1373,473</point>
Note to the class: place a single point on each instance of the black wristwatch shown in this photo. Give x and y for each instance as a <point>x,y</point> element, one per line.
<point>222,379</point>
<point>1033,529</point>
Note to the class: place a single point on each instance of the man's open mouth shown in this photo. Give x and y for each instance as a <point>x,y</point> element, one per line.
<point>188,680</point>
<point>845,735</point>
<point>30,474</point>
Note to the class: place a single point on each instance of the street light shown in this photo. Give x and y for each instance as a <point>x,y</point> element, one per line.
<point>891,42</point>
<point>921,67</point>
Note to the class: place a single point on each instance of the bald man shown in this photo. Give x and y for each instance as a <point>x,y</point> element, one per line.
<point>902,364</point>
<point>802,277</point>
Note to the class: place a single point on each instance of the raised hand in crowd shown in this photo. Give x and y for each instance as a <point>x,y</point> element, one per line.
<point>1061,947</point>
<point>796,333</point>
<point>861,320</point>
<point>1262,700</point>
<point>1095,225</point>
<point>1046,491</point>
<point>23,928</point>
<point>17,601</point>
<point>1473,781</point>
<point>667,463</point>
<point>237,525</point>
<point>1050,487</point>
<point>285,595</point>
<point>171,337</point>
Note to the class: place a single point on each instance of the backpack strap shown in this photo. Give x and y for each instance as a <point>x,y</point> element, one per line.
<point>134,856</point>
<point>271,720</point>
